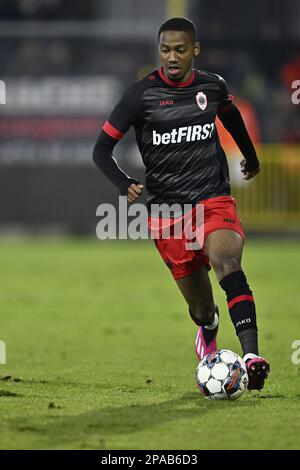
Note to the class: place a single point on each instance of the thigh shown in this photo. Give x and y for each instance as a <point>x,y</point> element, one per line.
<point>196,287</point>
<point>224,242</point>
<point>220,213</point>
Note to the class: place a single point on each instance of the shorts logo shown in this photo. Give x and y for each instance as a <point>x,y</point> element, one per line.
<point>231,221</point>
<point>201,100</point>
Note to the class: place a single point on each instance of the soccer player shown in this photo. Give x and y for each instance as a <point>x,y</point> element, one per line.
<point>173,111</point>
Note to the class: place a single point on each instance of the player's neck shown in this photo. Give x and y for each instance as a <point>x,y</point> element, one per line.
<point>186,80</point>
<point>187,77</point>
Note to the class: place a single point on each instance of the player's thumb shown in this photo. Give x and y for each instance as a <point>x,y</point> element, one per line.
<point>141,186</point>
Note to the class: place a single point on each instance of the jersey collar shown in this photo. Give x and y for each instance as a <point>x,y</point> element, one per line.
<point>175,84</point>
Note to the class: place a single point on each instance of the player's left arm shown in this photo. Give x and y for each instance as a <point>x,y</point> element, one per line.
<point>233,122</point>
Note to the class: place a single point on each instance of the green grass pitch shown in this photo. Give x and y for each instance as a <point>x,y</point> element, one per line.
<point>100,350</point>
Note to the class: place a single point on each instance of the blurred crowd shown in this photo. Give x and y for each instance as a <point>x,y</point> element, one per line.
<point>46,9</point>
<point>262,89</point>
<point>259,74</point>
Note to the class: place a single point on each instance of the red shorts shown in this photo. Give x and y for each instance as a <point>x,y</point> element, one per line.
<point>219,213</point>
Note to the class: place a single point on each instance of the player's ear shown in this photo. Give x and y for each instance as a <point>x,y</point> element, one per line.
<point>196,49</point>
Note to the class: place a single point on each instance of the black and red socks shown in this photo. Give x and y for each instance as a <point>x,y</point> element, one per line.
<point>242,310</point>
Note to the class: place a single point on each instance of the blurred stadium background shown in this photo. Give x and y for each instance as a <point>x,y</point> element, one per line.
<point>88,325</point>
<point>65,64</point>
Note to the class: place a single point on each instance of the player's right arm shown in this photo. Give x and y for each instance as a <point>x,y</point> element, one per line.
<point>122,117</point>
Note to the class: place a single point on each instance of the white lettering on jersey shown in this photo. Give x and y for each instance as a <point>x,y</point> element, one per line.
<point>184,134</point>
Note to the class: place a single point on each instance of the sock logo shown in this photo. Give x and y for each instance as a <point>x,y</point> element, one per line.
<point>243,322</point>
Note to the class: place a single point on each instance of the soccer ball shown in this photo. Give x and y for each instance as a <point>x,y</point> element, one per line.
<point>222,375</point>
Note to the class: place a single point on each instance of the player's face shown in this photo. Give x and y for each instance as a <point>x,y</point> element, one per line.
<point>177,53</point>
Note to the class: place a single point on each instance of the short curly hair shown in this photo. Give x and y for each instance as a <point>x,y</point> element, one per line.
<point>179,24</point>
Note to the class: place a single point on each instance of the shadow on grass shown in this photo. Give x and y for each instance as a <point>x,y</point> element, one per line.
<point>96,428</point>
<point>99,425</point>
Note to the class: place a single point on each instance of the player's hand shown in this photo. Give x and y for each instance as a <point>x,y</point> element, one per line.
<point>134,191</point>
<point>248,174</point>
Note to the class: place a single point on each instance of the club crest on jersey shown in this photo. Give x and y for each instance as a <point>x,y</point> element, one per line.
<point>201,100</point>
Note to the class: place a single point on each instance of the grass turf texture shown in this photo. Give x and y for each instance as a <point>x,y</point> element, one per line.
<point>100,351</point>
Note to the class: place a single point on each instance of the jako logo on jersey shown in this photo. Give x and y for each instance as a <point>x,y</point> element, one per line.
<point>201,100</point>
<point>165,102</point>
<point>187,134</point>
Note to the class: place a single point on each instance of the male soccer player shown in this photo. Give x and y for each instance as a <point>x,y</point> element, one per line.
<point>173,111</point>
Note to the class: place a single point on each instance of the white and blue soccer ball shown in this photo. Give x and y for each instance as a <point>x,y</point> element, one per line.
<point>222,375</point>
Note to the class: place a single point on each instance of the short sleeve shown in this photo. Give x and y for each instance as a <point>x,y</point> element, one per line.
<point>124,114</point>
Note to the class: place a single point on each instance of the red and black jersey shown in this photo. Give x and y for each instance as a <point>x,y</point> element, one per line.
<point>176,134</point>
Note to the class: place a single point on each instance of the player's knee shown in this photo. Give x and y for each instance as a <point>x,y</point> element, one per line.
<point>226,265</point>
<point>202,313</point>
